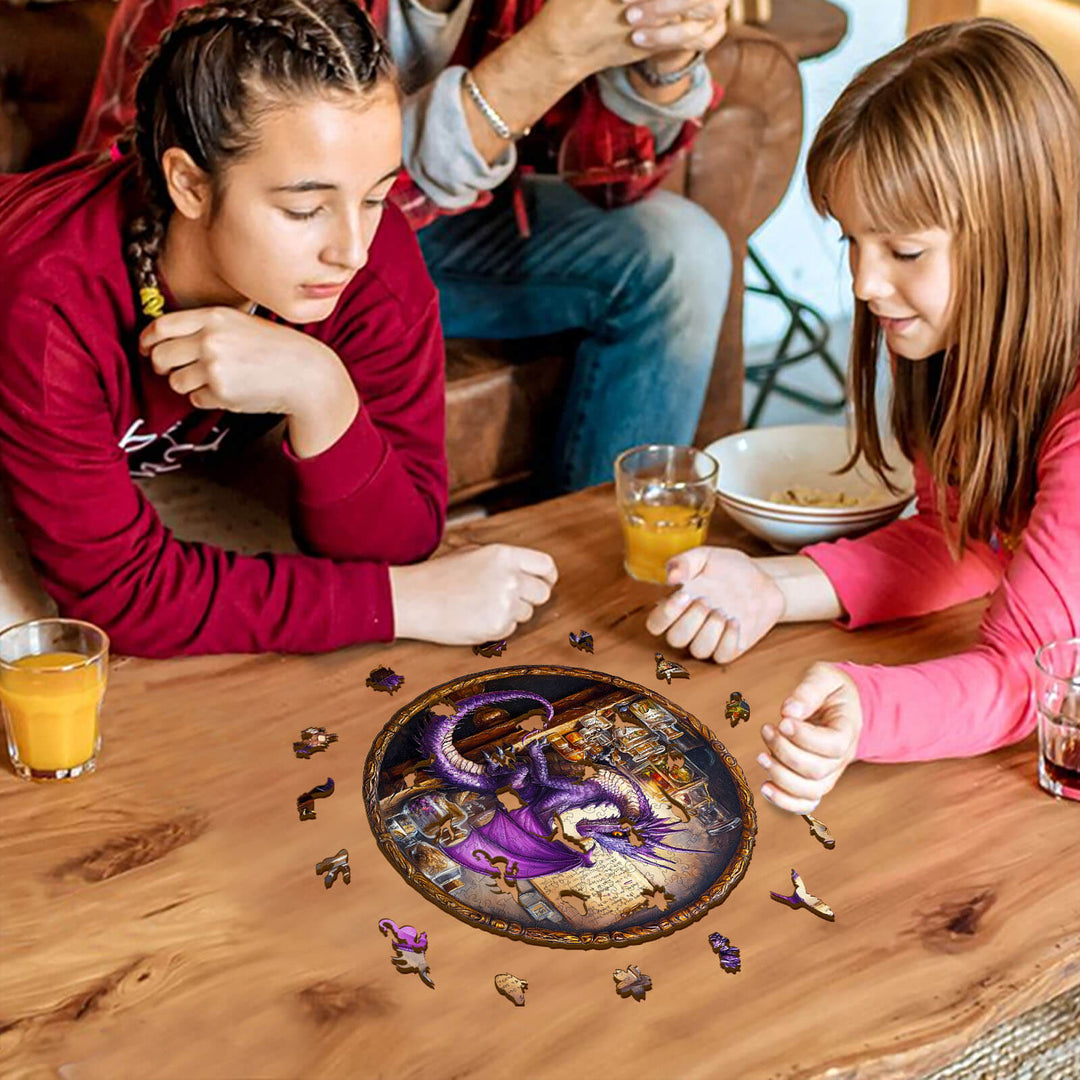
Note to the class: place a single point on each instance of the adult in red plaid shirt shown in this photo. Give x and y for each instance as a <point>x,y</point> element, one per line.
<point>551,122</point>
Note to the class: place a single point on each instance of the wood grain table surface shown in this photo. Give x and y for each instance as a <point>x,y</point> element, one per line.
<point>162,918</point>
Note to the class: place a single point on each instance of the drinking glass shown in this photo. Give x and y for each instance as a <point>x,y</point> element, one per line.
<point>52,681</point>
<point>1057,699</point>
<point>665,497</point>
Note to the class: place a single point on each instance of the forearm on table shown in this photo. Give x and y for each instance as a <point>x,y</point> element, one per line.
<point>809,595</point>
<point>521,80</point>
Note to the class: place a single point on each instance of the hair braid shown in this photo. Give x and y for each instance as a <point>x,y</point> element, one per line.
<point>197,87</point>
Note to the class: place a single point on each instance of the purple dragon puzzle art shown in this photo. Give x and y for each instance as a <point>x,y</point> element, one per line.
<point>560,806</point>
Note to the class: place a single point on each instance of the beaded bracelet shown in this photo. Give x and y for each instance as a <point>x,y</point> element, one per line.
<point>498,124</point>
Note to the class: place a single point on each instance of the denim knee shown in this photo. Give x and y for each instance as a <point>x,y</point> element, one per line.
<point>688,264</point>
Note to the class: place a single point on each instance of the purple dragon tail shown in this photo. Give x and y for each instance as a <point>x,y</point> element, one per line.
<point>448,764</point>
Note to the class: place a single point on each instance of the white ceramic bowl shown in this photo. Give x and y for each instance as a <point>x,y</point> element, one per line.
<point>757,463</point>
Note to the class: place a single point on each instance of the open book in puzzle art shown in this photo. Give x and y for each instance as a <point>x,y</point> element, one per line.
<point>559,806</point>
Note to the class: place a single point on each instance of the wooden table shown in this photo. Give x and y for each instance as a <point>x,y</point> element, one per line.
<point>162,918</point>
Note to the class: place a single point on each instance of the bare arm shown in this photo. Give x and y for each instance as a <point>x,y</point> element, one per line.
<point>808,594</point>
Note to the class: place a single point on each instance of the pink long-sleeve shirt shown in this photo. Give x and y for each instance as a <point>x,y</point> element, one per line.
<point>981,699</point>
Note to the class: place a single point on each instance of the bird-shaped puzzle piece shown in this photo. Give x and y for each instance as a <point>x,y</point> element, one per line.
<point>668,669</point>
<point>802,897</point>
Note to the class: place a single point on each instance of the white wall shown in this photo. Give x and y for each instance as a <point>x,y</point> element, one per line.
<point>802,250</point>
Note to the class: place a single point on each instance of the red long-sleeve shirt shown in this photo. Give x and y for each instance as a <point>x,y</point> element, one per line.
<point>81,412</point>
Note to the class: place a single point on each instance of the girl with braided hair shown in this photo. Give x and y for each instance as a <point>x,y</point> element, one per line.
<point>236,268</point>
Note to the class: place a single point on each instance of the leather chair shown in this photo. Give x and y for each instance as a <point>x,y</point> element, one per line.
<point>502,397</point>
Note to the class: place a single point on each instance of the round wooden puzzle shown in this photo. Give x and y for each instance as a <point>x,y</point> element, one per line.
<point>559,806</point>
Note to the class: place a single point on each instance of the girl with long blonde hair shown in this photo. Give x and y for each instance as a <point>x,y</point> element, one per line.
<point>952,166</point>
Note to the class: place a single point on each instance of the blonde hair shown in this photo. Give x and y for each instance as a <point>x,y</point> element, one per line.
<point>971,128</point>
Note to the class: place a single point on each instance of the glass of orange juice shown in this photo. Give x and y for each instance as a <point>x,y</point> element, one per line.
<point>52,680</point>
<point>666,495</point>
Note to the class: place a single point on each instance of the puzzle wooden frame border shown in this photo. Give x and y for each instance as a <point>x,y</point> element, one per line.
<point>672,920</point>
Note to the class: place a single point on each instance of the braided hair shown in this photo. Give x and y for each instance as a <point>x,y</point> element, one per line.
<point>200,91</point>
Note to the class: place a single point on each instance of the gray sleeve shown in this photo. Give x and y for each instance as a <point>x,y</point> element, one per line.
<point>664,121</point>
<point>438,148</point>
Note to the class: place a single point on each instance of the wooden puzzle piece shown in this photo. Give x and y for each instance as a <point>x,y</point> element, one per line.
<point>334,866</point>
<point>409,950</point>
<point>737,708</point>
<point>576,900</point>
<point>305,803</point>
<point>313,740</point>
<point>490,648</point>
<point>630,982</point>
<point>385,679</point>
<point>511,987</point>
<point>819,831</point>
<point>668,669</point>
<point>582,641</point>
<point>728,953</point>
<point>802,897</point>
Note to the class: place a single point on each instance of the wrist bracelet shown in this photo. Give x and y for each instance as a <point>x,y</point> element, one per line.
<point>667,78</point>
<point>498,124</point>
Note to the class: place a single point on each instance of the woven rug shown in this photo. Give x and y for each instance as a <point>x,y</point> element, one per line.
<point>1043,1044</point>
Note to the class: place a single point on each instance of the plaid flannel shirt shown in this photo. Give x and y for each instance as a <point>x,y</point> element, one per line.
<point>607,159</point>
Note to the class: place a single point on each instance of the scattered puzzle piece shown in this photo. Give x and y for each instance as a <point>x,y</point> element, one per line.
<point>668,669</point>
<point>728,953</point>
<point>582,641</point>
<point>629,982</point>
<point>576,900</point>
<point>313,740</point>
<point>510,986</point>
<point>737,708</point>
<point>306,803</point>
<point>490,648</point>
<point>334,865</point>
<point>819,831</point>
<point>385,679</point>
<point>409,950</point>
<point>803,898</point>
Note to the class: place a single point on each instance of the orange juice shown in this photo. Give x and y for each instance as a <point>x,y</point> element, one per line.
<point>51,714</point>
<point>654,534</point>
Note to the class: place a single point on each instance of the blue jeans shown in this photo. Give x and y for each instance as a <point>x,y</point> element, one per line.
<point>647,284</point>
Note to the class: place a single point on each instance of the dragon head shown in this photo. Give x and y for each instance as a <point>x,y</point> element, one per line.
<point>639,841</point>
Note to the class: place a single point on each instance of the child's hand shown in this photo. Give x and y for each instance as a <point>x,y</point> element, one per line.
<point>820,724</point>
<point>725,605</point>
<point>471,596</point>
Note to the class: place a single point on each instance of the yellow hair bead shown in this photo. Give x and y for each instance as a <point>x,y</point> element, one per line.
<point>152,300</point>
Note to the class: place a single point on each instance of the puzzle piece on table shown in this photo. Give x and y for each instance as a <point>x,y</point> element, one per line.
<point>668,669</point>
<point>409,949</point>
<point>802,897</point>
<point>333,866</point>
<point>490,648</point>
<point>511,987</point>
<point>384,679</point>
<point>630,982</point>
<point>313,740</point>
<point>305,803</point>
<point>728,953</point>
<point>737,708</point>
<point>582,641</point>
<point>819,831</point>
<point>576,900</point>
